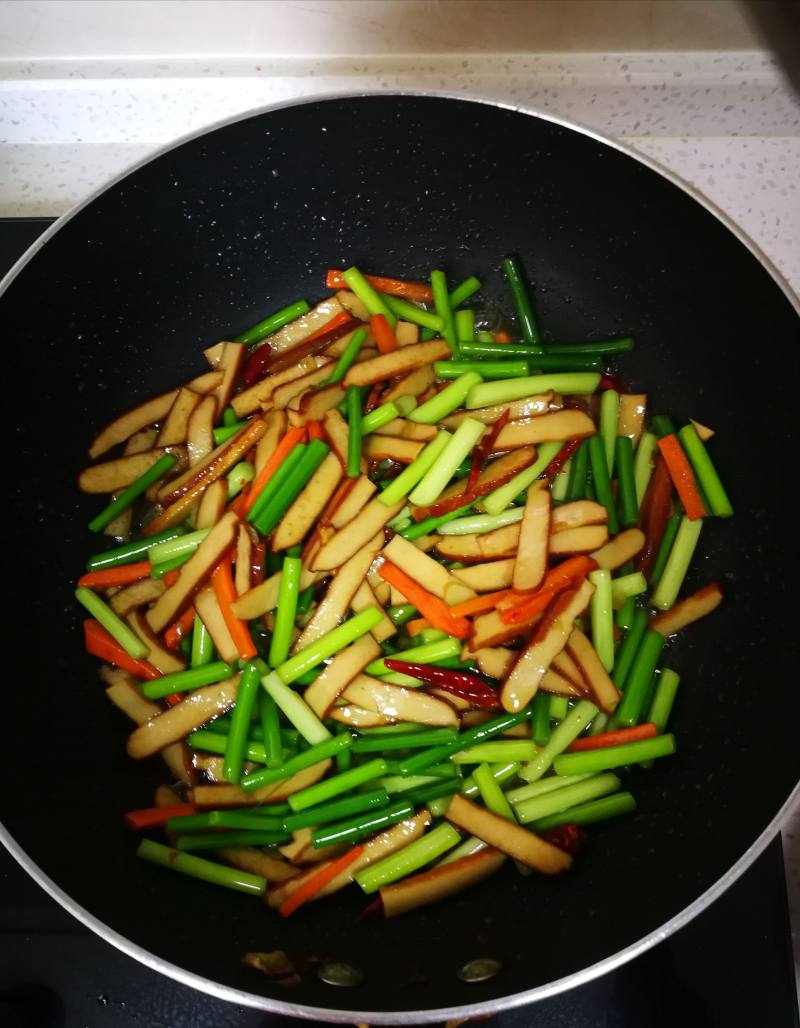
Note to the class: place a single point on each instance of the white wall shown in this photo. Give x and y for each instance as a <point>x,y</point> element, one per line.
<point>79,28</point>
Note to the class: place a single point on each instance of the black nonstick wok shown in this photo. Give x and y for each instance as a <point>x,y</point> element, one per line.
<point>202,241</point>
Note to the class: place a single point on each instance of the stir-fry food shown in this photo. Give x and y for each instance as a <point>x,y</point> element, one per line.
<point>392,595</point>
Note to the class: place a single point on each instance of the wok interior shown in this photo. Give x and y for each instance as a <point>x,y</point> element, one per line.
<point>202,242</point>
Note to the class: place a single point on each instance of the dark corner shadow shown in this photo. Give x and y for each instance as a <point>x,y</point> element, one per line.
<point>778,24</point>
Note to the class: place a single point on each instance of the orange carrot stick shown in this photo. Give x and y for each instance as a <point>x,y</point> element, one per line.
<point>101,644</point>
<point>225,591</point>
<point>416,291</point>
<point>479,604</point>
<point>308,890</point>
<point>238,503</point>
<point>153,817</point>
<point>124,575</point>
<point>680,471</point>
<point>316,431</point>
<point>282,450</point>
<point>338,319</point>
<point>521,613</point>
<point>502,337</point>
<point>557,578</point>
<point>382,333</point>
<point>178,629</point>
<point>568,571</point>
<point>615,738</point>
<point>434,610</point>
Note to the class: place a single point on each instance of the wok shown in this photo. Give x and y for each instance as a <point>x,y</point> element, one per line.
<point>202,241</point>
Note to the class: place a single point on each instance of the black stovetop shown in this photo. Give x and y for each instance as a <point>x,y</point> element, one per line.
<point>732,966</point>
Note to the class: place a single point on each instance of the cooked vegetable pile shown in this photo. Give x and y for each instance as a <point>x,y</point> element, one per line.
<point>384,597</point>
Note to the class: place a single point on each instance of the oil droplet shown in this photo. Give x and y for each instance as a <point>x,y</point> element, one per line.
<point>479,970</point>
<point>337,972</point>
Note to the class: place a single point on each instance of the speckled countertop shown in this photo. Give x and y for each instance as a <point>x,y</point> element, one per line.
<point>725,122</point>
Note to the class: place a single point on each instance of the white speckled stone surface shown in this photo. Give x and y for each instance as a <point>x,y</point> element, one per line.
<point>725,122</point>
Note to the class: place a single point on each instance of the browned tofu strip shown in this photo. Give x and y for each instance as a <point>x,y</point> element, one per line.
<point>201,563</point>
<point>398,362</point>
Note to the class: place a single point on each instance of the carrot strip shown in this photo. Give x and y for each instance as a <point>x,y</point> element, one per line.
<point>479,604</point>
<point>680,471</point>
<point>417,291</point>
<point>562,575</point>
<point>502,337</point>
<point>116,576</point>
<point>525,611</point>
<point>615,738</point>
<point>171,577</point>
<point>316,431</point>
<point>153,817</point>
<point>382,333</point>
<point>101,644</point>
<point>338,319</point>
<point>238,503</point>
<point>290,440</point>
<point>568,571</point>
<point>435,611</point>
<point>308,890</point>
<point>225,591</point>
<point>178,629</point>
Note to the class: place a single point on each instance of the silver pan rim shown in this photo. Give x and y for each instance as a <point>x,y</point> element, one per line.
<point>577,978</point>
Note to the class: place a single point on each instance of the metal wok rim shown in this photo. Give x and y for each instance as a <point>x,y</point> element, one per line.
<point>582,977</point>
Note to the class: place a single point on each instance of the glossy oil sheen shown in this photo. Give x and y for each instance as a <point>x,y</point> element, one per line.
<point>216,234</point>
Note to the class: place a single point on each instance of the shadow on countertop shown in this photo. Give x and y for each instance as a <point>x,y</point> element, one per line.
<point>778,24</point>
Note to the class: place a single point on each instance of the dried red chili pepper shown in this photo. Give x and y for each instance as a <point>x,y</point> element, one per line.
<point>460,683</point>
<point>560,459</point>
<point>482,451</point>
<point>256,366</point>
<point>569,837</point>
<point>610,382</point>
<point>653,516</point>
